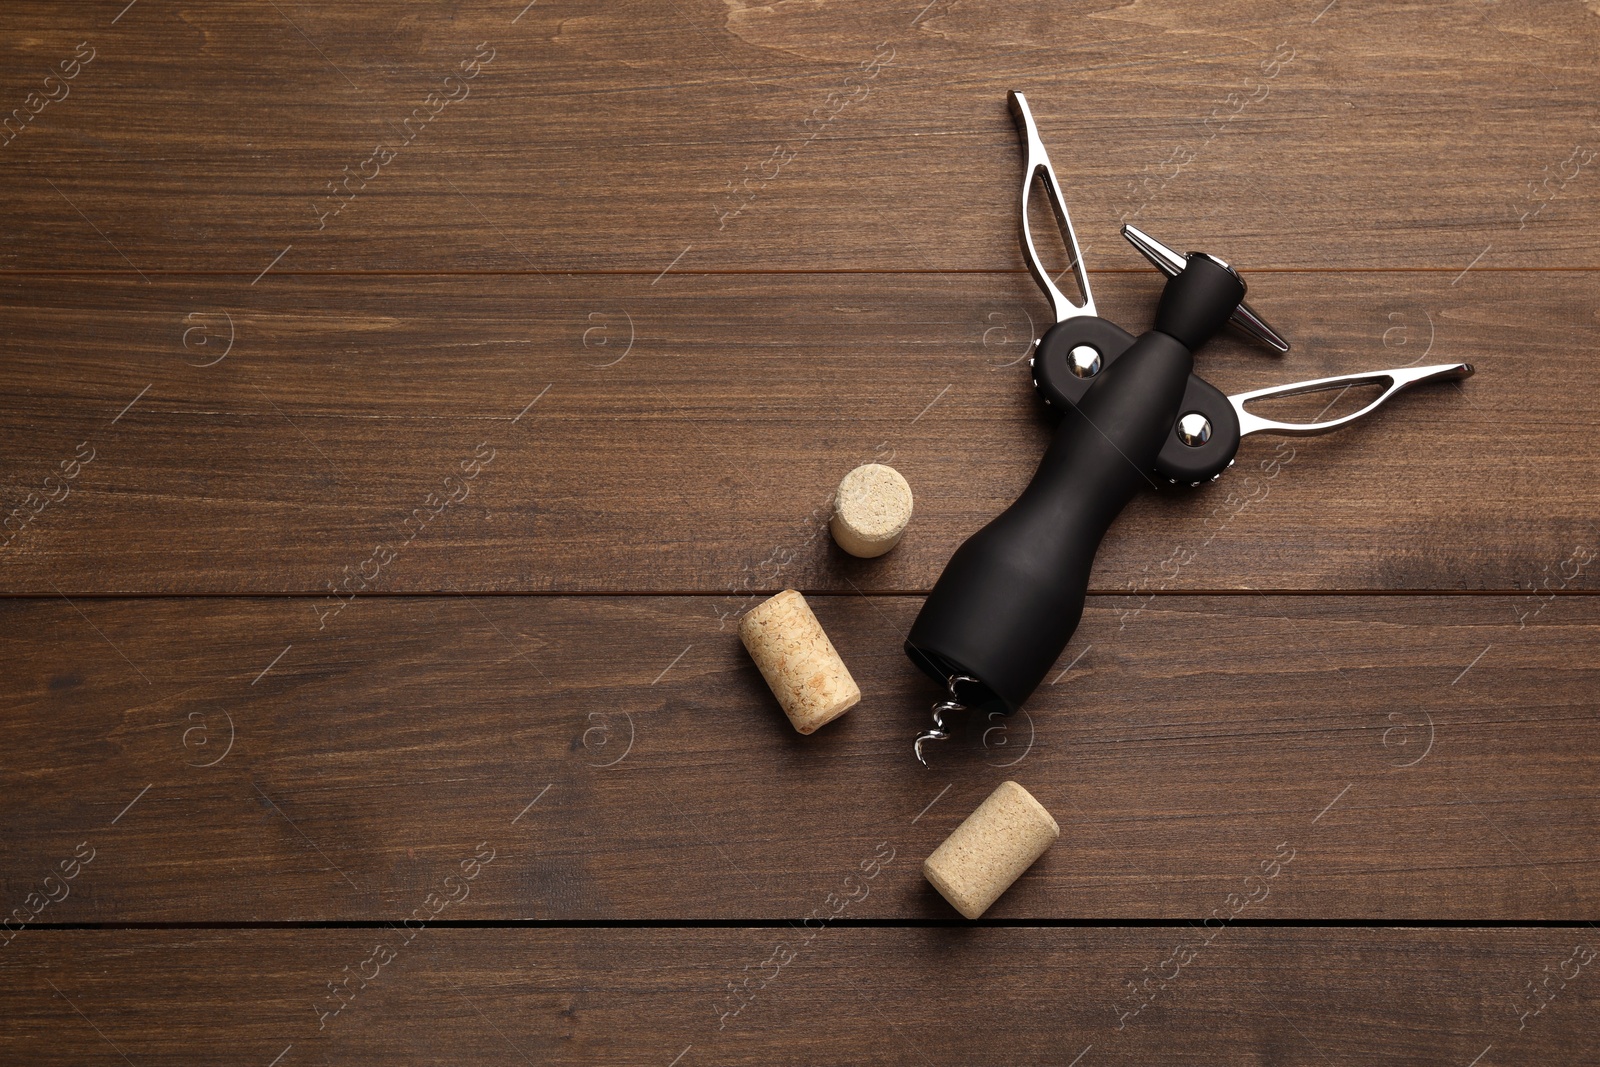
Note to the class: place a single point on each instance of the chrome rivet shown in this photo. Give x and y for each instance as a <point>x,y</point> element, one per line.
<point>1084,361</point>
<point>1194,429</point>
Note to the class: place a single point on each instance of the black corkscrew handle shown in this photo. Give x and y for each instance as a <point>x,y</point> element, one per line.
<point>1012,594</point>
<point>1134,413</point>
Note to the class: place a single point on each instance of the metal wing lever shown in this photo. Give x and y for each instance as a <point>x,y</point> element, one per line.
<point>1037,161</point>
<point>1396,379</point>
<point>1210,425</point>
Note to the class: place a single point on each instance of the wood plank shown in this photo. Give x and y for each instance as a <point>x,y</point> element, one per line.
<point>918,996</point>
<point>613,320</point>
<point>1421,757</point>
<point>690,435</point>
<point>748,136</point>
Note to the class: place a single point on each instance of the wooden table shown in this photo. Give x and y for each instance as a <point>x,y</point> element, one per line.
<point>401,402</point>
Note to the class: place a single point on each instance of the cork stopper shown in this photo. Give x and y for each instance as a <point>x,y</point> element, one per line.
<point>990,850</point>
<point>870,510</point>
<point>798,661</point>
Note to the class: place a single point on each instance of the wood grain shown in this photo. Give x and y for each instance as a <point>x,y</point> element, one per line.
<point>826,136</point>
<point>1421,757</point>
<point>688,436</point>
<point>928,996</point>
<point>323,323</point>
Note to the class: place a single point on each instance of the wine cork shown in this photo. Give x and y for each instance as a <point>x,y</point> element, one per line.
<point>990,850</point>
<point>870,510</point>
<point>798,661</point>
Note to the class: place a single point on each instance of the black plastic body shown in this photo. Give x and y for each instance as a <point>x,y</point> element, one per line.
<point>1012,594</point>
<point>1052,357</point>
<point>1177,462</point>
<point>1187,464</point>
